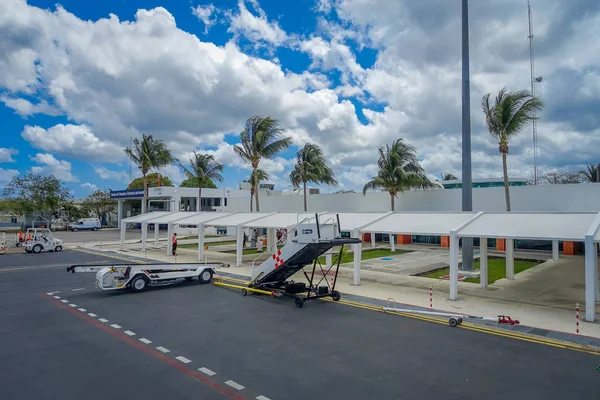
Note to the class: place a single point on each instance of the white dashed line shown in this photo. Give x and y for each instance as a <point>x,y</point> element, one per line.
<point>56,297</point>
<point>234,385</point>
<point>82,309</point>
<point>207,371</point>
<point>144,340</point>
<point>52,293</point>
<point>92,315</point>
<point>160,348</point>
<point>129,333</point>
<point>102,320</point>
<point>183,359</point>
<point>78,289</point>
<point>73,305</point>
<point>261,397</point>
<point>65,301</point>
<point>116,326</point>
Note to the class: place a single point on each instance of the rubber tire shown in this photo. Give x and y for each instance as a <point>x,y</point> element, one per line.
<point>336,296</point>
<point>460,321</point>
<point>58,248</point>
<point>188,279</point>
<point>38,247</point>
<point>138,279</point>
<point>453,322</point>
<point>202,277</point>
<point>29,251</point>
<point>244,292</point>
<point>74,230</point>
<point>94,229</point>
<point>299,301</point>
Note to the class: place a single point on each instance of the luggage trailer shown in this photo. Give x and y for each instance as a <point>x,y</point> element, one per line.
<point>309,242</point>
<point>138,277</point>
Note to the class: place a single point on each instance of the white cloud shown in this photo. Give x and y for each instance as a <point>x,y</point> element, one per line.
<point>26,108</point>
<point>6,175</point>
<point>256,28</point>
<point>331,55</point>
<point>105,173</point>
<point>61,169</point>
<point>6,154</point>
<point>89,186</point>
<point>204,13</point>
<point>75,141</point>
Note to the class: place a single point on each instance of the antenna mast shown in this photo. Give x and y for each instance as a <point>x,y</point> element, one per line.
<point>533,80</point>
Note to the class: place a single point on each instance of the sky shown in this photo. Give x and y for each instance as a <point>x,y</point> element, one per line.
<point>80,78</point>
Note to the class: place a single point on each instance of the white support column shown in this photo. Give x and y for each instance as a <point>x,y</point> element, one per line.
<point>590,278</point>
<point>144,235</point>
<point>169,238</point>
<point>156,234</point>
<point>328,258</point>
<point>119,212</point>
<point>393,242</point>
<point>239,249</point>
<point>201,231</point>
<point>357,248</point>
<point>454,251</point>
<point>597,274</point>
<point>510,259</point>
<point>373,244</point>
<point>555,250</point>
<point>123,230</point>
<point>483,262</point>
<point>271,238</point>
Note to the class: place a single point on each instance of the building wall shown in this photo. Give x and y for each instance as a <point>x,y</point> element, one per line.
<point>575,197</point>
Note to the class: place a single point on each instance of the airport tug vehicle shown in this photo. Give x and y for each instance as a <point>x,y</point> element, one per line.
<point>306,243</point>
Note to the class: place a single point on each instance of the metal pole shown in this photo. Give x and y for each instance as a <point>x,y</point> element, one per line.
<point>467,185</point>
<point>532,78</point>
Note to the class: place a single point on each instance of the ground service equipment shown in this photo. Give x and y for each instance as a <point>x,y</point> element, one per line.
<point>137,277</point>
<point>306,243</point>
<point>39,240</point>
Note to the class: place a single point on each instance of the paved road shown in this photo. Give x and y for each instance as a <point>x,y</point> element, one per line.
<point>269,347</point>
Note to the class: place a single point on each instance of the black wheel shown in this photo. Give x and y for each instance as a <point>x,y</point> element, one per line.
<point>94,229</point>
<point>336,296</point>
<point>244,292</point>
<point>453,322</point>
<point>27,250</point>
<point>37,248</point>
<point>139,284</point>
<point>205,276</point>
<point>188,279</point>
<point>74,229</point>
<point>58,248</point>
<point>299,302</point>
<point>460,321</point>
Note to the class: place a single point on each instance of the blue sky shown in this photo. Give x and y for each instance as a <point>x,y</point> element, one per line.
<point>76,84</point>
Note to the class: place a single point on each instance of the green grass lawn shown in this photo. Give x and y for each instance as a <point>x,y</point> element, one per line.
<point>496,270</point>
<point>209,244</point>
<point>367,254</point>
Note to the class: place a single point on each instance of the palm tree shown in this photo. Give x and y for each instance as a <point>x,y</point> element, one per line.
<point>203,167</point>
<point>511,112</point>
<point>261,138</point>
<point>262,176</point>
<point>448,176</point>
<point>148,154</point>
<point>399,170</point>
<point>591,175</point>
<point>311,167</point>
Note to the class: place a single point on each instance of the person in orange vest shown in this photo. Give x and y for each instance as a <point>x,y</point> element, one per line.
<point>174,243</point>
<point>20,237</point>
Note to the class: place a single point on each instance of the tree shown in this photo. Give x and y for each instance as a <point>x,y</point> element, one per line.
<point>153,181</point>
<point>510,113</point>
<point>99,203</point>
<point>203,167</point>
<point>193,183</point>
<point>399,170</point>
<point>255,182</point>
<point>591,175</point>
<point>148,154</point>
<point>35,192</point>
<point>561,177</point>
<point>311,167</point>
<point>341,191</point>
<point>448,176</point>
<point>261,138</point>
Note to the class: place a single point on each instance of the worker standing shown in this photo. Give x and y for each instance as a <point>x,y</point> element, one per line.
<point>174,242</point>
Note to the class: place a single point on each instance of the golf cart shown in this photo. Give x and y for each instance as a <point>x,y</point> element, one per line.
<point>38,240</point>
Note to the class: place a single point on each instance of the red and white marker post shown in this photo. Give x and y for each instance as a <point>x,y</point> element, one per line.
<point>430,297</point>
<point>577,318</point>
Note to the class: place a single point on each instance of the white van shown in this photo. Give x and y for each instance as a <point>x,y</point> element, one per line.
<point>86,224</point>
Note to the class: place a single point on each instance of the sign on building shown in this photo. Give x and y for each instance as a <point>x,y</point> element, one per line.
<point>126,194</point>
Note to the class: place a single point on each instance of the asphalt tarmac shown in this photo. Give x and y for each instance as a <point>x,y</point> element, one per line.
<point>192,341</point>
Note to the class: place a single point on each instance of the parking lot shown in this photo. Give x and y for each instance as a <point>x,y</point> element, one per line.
<point>191,341</point>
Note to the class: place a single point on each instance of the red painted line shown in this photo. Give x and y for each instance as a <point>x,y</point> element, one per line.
<point>147,350</point>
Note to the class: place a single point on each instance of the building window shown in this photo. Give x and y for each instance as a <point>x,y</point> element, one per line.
<point>225,201</point>
<point>218,202</point>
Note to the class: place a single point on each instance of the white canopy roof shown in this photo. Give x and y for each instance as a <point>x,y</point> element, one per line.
<point>279,220</point>
<point>528,225</point>
<point>145,217</point>
<point>202,217</point>
<point>415,223</point>
<point>350,221</point>
<point>236,219</point>
<point>172,217</point>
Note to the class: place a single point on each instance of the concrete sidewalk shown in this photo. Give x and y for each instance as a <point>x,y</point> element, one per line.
<point>536,317</point>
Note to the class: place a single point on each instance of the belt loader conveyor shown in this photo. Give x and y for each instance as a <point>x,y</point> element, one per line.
<point>138,277</point>
<point>309,241</point>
